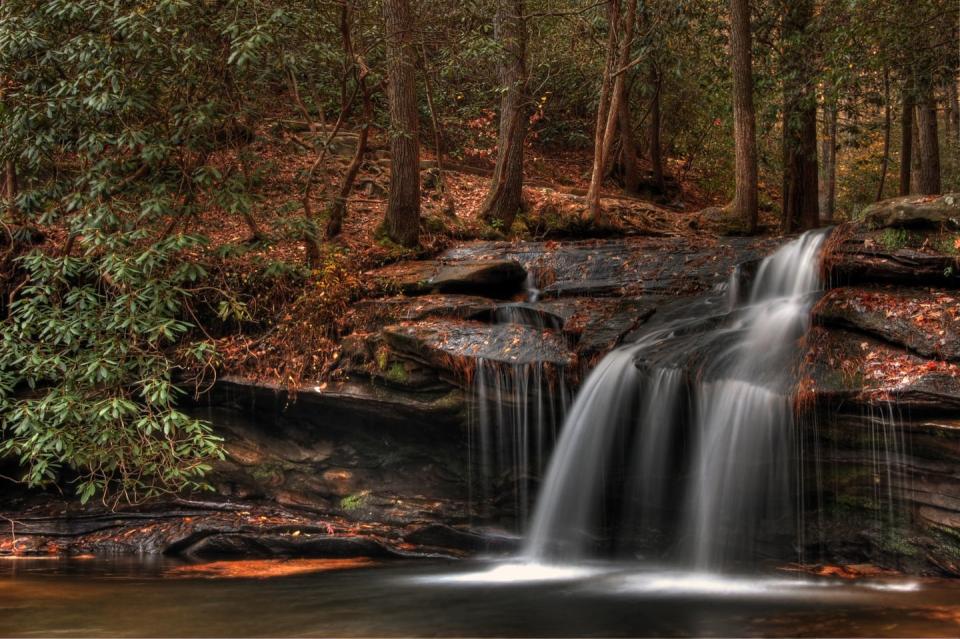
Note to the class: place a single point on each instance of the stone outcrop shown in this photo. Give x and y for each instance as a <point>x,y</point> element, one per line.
<point>881,373</point>
<point>490,277</point>
<point>923,321</point>
<point>915,211</point>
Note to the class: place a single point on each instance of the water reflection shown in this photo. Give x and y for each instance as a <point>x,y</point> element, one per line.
<point>130,598</point>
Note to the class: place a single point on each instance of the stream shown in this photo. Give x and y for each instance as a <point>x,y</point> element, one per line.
<point>130,597</point>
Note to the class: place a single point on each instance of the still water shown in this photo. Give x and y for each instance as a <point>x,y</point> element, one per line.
<point>161,598</point>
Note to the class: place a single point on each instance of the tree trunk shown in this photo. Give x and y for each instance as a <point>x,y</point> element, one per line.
<point>628,149</point>
<point>906,139</point>
<point>603,108</point>
<point>915,142</point>
<point>402,220</point>
<point>653,130</point>
<point>828,173</point>
<point>929,149</point>
<point>800,205</point>
<point>885,161</point>
<point>744,205</point>
<point>338,209</point>
<point>953,109</point>
<point>618,95</point>
<point>505,196</point>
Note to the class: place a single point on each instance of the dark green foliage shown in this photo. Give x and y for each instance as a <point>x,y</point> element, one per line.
<point>110,112</point>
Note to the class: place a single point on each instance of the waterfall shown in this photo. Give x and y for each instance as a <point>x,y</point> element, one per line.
<point>513,424</point>
<point>683,443</point>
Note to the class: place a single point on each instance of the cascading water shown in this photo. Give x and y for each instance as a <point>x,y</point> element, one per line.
<point>517,412</point>
<point>684,442</point>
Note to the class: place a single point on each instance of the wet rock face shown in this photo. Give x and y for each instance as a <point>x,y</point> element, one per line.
<point>923,321</point>
<point>881,371</point>
<point>856,371</point>
<point>628,267</point>
<point>375,461</point>
<point>455,345</point>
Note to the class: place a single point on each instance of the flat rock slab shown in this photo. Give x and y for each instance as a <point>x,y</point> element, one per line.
<point>224,529</point>
<point>915,258</point>
<point>489,277</point>
<point>915,211</point>
<point>623,267</point>
<point>845,367</point>
<point>595,324</point>
<point>377,312</point>
<point>924,321</point>
<point>457,346</point>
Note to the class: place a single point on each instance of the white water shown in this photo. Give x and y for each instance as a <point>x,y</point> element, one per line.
<point>694,428</point>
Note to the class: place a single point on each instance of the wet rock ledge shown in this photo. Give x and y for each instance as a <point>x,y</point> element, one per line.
<point>882,371</point>
<point>375,463</point>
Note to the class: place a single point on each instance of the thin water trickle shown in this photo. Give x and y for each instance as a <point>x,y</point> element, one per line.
<point>683,443</point>
<point>513,424</point>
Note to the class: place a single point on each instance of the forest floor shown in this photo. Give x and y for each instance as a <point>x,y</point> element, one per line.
<point>274,318</point>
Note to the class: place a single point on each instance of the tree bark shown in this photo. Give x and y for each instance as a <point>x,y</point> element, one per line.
<point>603,109</point>
<point>915,141</point>
<point>929,177</point>
<point>885,161</point>
<point>744,205</point>
<point>800,205</point>
<point>906,139</point>
<point>628,149</point>
<point>618,91</point>
<point>953,109</point>
<point>338,208</point>
<point>505,197</point>
<point>653,131</point>
<point>828,173</point>
<point>402,219</point>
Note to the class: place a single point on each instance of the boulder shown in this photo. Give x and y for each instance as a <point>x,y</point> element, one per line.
<point>913,211</point>
<point>489,277</point>
<point>925,321</point>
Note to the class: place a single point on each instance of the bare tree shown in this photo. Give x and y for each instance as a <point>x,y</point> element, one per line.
<point>505,196</point>
<point>653,129</point>
<point>744,205</point>
<point>906,138</point>
<point>603,110</point>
